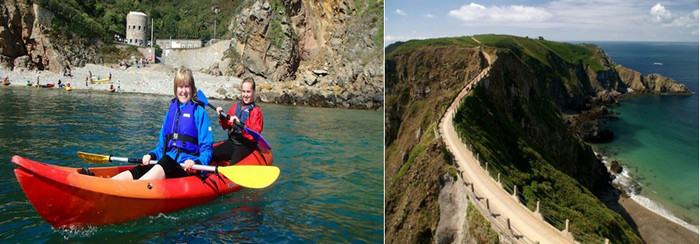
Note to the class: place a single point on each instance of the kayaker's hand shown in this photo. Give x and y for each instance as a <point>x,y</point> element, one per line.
<point>188,164</point>
<point>234,119</point>
<point>219,110</point>
<point>146,159</point>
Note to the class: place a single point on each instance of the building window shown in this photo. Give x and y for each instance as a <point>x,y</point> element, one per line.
<point>139,27</point>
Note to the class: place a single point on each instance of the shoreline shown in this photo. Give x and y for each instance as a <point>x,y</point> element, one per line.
<point>654,223</point>
<point>157,79</point>
<point>654,228</point>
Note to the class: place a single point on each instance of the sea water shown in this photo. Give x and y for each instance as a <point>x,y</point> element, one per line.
<point>330,189</point>
<point>656,139</point>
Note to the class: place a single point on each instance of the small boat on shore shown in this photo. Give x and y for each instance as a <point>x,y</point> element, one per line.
<point>99,81</point>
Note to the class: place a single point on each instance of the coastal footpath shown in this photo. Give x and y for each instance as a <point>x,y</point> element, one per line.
<point>523,120</point>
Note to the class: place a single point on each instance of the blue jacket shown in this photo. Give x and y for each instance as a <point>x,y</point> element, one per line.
<point>204,134</point>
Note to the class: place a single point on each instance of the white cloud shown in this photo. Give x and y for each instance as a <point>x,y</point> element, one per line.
<point>507,14</point>
<point>659,14</point>
<point>429,16</point>
<point>388,39</point>
<point>400,12</point>
<point>690,20</point>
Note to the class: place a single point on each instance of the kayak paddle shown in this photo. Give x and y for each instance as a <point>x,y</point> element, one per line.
<point>256,136</point>
<point>250,176</point>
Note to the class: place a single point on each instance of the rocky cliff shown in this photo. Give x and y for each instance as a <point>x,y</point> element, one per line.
<point>28,43</point>
<point>319,53</point>
<point>525,118</point>
<point>420,85</point>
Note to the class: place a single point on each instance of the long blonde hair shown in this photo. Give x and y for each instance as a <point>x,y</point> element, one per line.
<point>182,77</point>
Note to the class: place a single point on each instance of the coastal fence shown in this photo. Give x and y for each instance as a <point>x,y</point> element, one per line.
<point>507,232</point>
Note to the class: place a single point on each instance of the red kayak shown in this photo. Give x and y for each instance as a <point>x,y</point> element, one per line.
<point>66,198</point>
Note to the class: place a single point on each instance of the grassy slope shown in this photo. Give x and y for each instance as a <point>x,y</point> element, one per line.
<point>503,142</point>
<point>413,164</point>
<point>509,151</point>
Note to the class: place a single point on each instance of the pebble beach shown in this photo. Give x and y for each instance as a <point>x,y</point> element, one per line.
<point>152,79</point>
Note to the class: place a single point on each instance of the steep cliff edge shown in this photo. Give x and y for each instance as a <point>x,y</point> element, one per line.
<point>420,85</point>
<point>525,119</point>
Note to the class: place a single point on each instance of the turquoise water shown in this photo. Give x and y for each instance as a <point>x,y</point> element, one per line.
<point>330,188</point>
<point>656,139</point>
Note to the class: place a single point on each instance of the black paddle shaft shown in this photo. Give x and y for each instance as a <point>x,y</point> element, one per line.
<point>222,114</point>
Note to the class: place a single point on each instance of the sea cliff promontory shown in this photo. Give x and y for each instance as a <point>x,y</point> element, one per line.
<point>528,118</point>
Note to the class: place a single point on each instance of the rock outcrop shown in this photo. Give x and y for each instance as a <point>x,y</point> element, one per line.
<point>28,43</point>
<point>326,53</point>
<point>522,118</point>
<point>652,83</point>
<point>316,53</point>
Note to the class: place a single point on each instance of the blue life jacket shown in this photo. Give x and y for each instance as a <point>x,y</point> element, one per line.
<point>180,128</point>
<point>242,115</point>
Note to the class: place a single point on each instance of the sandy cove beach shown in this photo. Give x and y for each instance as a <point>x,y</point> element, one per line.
<point>655,228</point>
<point>153,79</point>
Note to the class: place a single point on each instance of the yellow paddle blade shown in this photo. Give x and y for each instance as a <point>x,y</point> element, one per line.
<point>251,176</point>
<point>93,158</point>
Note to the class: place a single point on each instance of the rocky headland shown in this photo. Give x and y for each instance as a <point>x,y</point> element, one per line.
<point>529,118</point>
<point>323,54</point>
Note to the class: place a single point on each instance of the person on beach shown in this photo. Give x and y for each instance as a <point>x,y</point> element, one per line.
<point>185,136</point>
<point>240,144</point>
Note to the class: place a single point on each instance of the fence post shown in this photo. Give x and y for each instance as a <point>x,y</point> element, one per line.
<point>487,168</point>
<point>607,241</point>
<point>515,193</point>
<point>537,211</point>
<point>499,179</point>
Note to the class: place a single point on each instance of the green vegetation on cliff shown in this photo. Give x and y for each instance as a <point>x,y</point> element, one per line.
<point>503,143</point>
<point>184,20</point>
<point>513,120</point>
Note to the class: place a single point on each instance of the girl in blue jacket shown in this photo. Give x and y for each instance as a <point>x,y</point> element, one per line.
<point>185,136</point>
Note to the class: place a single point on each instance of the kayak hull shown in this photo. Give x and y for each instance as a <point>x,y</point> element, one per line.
<point>67,199</point>
<point>99,81</point>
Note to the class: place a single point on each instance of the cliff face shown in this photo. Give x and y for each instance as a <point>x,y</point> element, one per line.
<point>27,42</point>
<point>323,53</point>
<point>653,83</point>
<point>318,53</point>
<point>522,119</point>
<point>420,85</point>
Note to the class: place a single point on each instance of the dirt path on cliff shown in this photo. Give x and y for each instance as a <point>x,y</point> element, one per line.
<point>501,203</point>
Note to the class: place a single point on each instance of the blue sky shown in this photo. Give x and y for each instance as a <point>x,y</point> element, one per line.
<point>559,20</point>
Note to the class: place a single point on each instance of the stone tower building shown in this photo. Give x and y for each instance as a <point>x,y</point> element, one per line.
<point>136,25</point>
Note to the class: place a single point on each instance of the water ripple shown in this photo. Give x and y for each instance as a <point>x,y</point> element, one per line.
<point>330,188</point>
